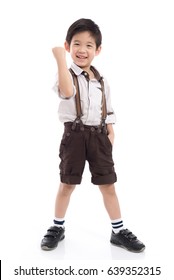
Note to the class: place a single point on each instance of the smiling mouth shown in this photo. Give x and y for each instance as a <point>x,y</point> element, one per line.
<point>81,57</point>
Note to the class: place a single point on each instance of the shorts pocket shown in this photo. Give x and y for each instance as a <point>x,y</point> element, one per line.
<point>66,140</point>
<point>108,142</point>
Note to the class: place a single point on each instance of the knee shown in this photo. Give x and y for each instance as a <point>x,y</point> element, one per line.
<point>66,190</point>
<point>107,190</point>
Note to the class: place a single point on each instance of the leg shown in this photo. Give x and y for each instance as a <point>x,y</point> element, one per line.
<point>62,199</point>
<point>110,201</point>
<point>56,233</point>
<point>124,238</point>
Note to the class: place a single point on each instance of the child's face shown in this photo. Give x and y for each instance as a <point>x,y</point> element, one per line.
<point>83,49</point>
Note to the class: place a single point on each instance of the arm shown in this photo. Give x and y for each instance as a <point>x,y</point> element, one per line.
<point>64,76</point>
<point>110,133</point>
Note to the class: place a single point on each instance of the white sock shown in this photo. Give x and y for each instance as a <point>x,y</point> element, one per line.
<point>117,225</point>
<point>59,222</point>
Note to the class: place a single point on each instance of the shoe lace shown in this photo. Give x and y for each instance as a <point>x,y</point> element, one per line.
<point>128,234</point>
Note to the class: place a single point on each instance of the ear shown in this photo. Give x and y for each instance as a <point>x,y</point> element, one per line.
<point>98,50</point>
<point>67,47</point>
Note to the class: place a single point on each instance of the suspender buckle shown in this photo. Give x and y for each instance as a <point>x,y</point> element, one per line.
<point>103,126</point>
<point>77,124</point>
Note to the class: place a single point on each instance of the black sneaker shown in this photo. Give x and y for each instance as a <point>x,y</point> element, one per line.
<point>126,239</point>
<point>52,237</point>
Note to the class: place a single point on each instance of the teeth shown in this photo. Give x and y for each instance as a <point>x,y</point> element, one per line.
<point>79,56</point>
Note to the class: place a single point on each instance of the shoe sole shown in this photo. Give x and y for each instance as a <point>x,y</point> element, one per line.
<point>130,250</point>
<point>46,248</point>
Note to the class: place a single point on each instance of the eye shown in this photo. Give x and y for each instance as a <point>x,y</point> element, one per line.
<point>89,46</point>
<point>76,44</point>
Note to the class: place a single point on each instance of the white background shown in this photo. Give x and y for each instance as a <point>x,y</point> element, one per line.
<point>138,60</point>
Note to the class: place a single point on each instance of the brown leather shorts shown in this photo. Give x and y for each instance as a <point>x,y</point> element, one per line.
<point>90,144</point>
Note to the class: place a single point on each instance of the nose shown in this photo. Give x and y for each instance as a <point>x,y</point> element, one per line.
<point>82,49</point>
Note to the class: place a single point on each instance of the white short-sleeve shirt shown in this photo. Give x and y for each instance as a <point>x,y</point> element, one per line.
<point>91,101</point>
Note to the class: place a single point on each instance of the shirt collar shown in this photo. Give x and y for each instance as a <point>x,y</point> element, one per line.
<point>78,71</point>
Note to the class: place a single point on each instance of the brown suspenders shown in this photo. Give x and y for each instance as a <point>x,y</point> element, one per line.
<point>77,97</point>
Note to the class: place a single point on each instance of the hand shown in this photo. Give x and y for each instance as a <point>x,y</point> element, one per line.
<point>58,52</point>
<point>111,138</point>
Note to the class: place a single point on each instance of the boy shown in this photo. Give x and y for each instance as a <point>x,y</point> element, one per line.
<point>86,111</point>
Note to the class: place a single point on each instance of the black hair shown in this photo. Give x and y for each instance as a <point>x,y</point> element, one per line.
<point>82,25</point>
